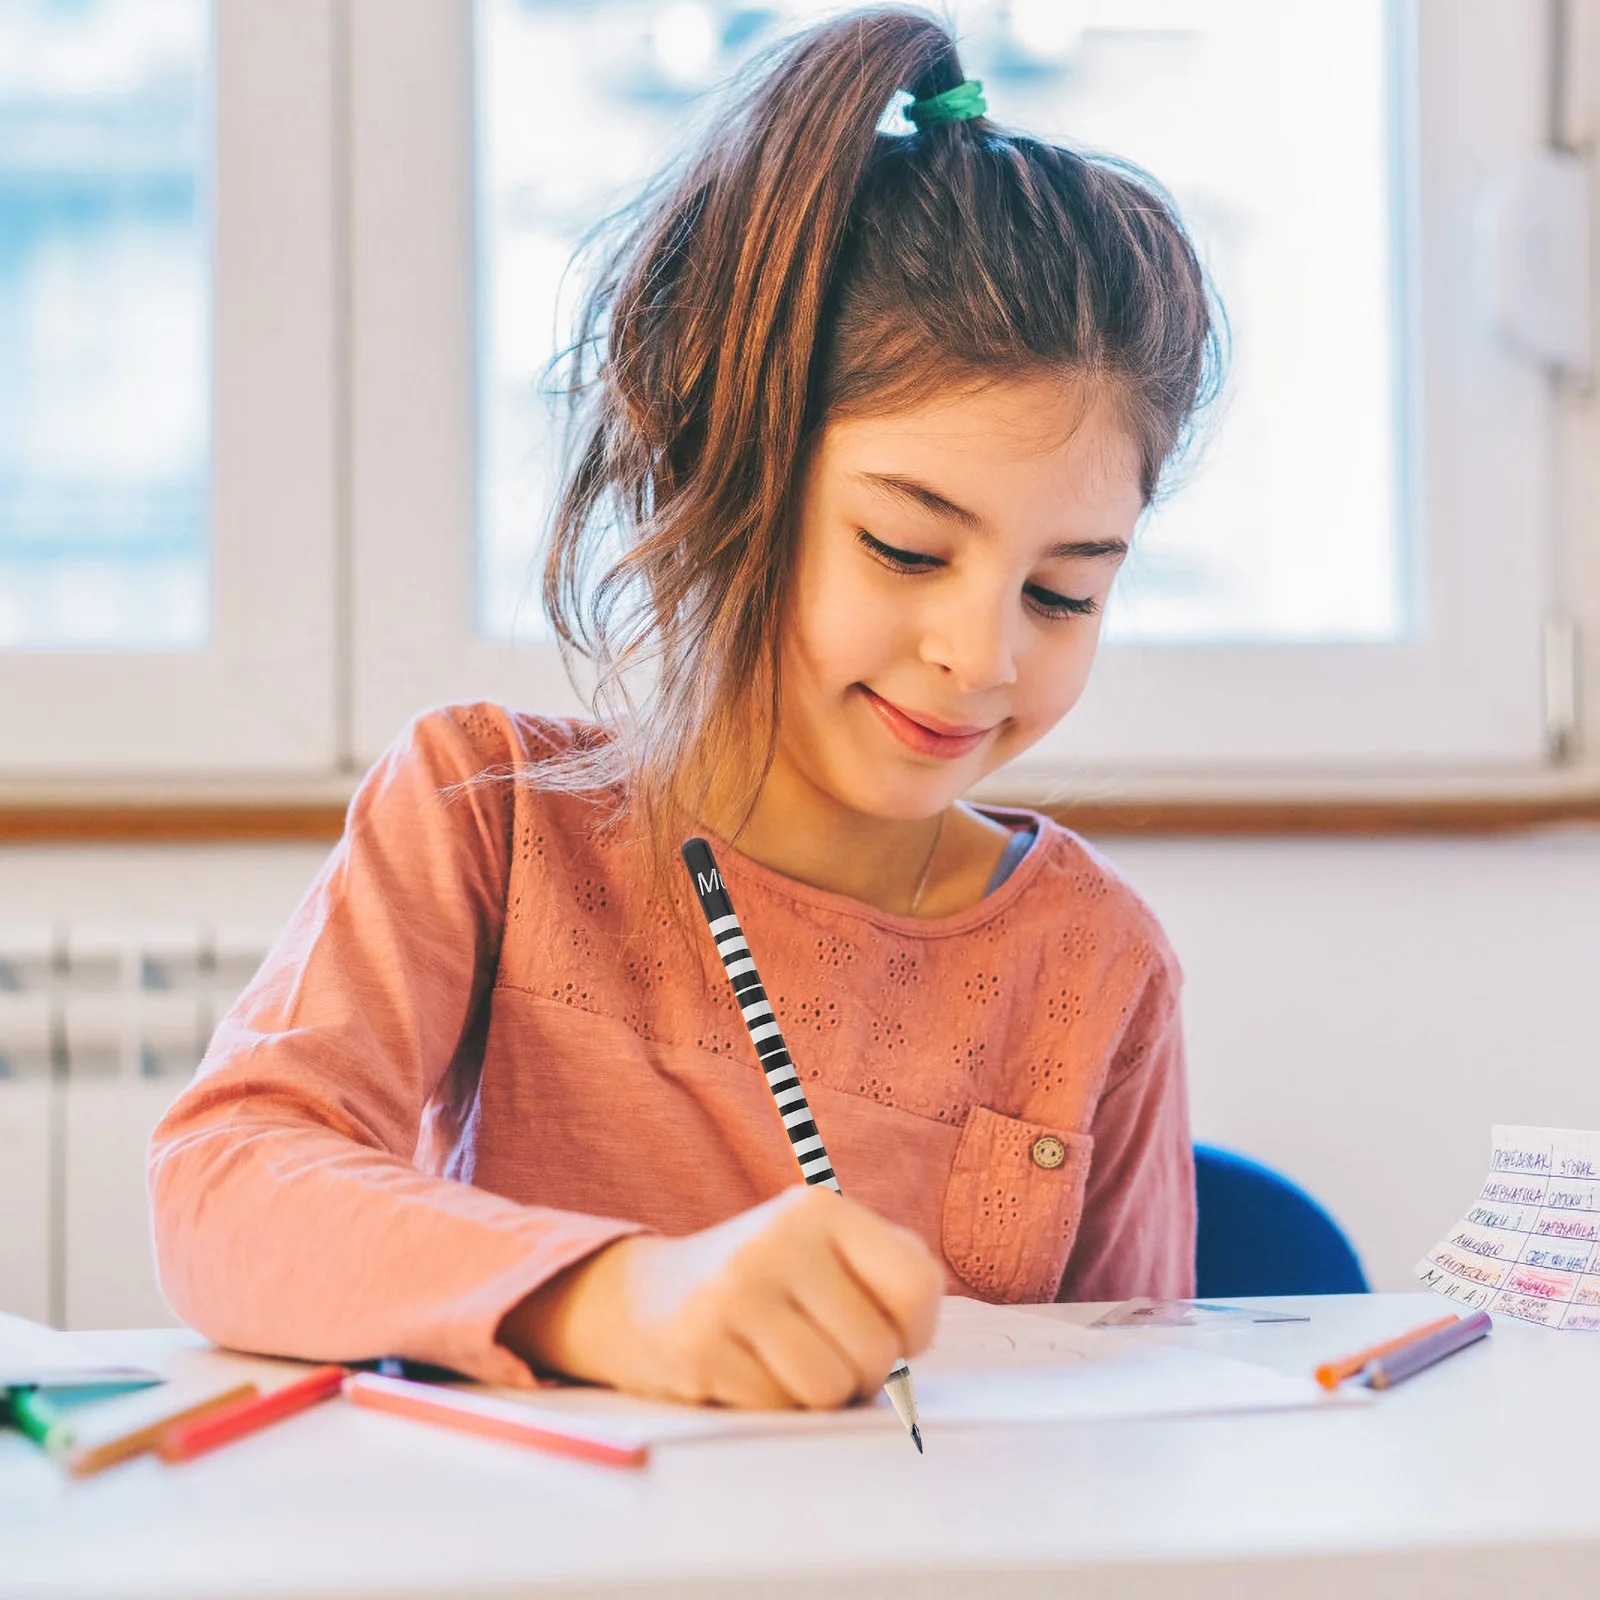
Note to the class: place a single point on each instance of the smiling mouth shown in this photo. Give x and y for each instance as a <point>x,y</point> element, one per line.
<point>947,741</point>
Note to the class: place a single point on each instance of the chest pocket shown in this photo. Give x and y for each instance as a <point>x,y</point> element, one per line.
<point>1013,1206</point>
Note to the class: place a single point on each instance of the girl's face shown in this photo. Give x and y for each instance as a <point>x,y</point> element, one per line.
<point>952,569</point>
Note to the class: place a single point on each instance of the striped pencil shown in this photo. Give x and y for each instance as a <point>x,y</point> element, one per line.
<point>776,1064</point>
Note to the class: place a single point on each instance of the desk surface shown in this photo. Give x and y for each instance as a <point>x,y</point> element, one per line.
<point>1480,1475</point>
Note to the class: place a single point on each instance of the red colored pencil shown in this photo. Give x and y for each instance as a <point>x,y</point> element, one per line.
<point>191,1439</point>
<point>485,1416</point>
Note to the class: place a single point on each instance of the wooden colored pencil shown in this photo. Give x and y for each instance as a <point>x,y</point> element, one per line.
<point>486,1417</point>
<point>190,1439</point>
<point>1386,1371</point>
<point>147,1431</point>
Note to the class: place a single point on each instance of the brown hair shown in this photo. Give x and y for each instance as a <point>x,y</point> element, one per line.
<point>804,265</point>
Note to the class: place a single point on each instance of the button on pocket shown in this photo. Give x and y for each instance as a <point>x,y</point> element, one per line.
<point>1013,1205</point>
<point>1048,1152</point>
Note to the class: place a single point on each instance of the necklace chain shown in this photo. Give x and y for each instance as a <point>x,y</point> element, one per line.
<point>927,866</point>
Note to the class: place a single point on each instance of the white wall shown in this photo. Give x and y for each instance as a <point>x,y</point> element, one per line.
<point>1359,1013</point>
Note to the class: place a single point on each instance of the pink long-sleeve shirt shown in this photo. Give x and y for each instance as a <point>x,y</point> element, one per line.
<point>479,1052</point>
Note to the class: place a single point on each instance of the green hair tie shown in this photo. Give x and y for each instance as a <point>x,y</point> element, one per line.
<point>954,105</point>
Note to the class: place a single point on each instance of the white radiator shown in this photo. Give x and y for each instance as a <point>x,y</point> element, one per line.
<point>100,1026</point>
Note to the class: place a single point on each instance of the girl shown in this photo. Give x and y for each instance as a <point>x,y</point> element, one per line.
<point>873,418</point>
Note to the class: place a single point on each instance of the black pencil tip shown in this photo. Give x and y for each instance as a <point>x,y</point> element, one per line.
<point>916,1438</point>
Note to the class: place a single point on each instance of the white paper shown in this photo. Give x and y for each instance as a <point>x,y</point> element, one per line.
<point>32,1354</point>
<point>1530,1247</point>
<point>988,1364</point>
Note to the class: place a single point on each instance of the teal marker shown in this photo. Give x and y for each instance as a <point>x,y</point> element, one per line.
<point>43,1422</point>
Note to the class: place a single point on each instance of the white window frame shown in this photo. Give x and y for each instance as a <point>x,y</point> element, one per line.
<point>262,696</point>
<point>413,383</point>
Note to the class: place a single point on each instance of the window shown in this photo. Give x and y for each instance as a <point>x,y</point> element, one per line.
<point>168,434</point>
<point>104,412</point>
<point>1293,527</point>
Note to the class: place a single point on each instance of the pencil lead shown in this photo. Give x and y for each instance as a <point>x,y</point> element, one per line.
<point>916,1438</point>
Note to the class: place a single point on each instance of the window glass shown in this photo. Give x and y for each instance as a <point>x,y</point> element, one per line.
<point>1272,125</point>
<point>104,324</point>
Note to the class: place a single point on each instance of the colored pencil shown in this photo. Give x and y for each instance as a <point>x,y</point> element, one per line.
<point>153,1420</point>
<point>190,1439</point>
<point>1386,1371</point>
<point>777,1067</point>
<point>486,1417</point>
<point>1332,1373</point>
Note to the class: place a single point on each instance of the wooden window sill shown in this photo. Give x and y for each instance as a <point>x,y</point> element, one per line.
<point>321,821</point>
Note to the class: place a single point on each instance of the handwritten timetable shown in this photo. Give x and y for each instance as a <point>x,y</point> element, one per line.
<point>1530,1247</point>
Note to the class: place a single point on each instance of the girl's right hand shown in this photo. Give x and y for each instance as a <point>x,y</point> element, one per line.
<point>805,1301</point>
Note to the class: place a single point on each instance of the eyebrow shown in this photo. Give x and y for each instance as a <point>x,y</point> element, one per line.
<point>908,490</point>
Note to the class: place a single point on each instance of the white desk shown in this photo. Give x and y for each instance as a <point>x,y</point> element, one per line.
<point>1478,1478</point>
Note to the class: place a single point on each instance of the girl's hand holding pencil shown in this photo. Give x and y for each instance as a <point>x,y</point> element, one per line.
<point>805,1301</point>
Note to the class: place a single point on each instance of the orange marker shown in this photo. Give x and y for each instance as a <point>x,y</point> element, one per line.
<point>190,1439</point>
<point>485,1416</point>
<point>1332,1373</point>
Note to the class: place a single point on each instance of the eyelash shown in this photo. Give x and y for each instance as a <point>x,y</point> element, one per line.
<point>910,562</point>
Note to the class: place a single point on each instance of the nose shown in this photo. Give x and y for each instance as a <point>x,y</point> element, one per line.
<point>972,639</point>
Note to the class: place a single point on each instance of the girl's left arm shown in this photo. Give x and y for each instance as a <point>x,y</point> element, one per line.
<point>1137,1236</point>
<point>291,1213</point>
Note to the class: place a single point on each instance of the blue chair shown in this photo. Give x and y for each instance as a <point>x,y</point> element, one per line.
<point>1262,1234</point>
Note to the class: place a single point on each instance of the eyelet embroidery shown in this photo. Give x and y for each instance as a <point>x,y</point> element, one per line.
<point>856,1007</point>
<point>1065,1007</point>
<point>981,988</point>
<point>901,969</point>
